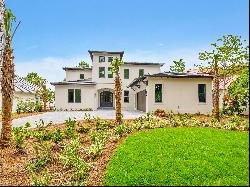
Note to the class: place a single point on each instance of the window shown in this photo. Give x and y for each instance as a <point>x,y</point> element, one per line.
<point>126,73</point>
<point>158,93</point>
<point>77,96</point>
<point>110,59</point>
<point>141,72</point>
<point>81,76</point>
<point>101,58</point>
<point>101,72</point>
<point>74,96</point>
<point>126,96</point>
<point>71,95</point>
<point>202,93</point>
<point>110,73</point>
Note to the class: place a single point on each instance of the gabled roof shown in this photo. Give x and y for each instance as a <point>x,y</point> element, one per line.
<point>76,68</point>
<point>180,75</point>
<point>144,63</point>
<point>23,85</point>
<point>106,52</point>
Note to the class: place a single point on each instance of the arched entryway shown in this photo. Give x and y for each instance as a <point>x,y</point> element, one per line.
<point>106,99</point>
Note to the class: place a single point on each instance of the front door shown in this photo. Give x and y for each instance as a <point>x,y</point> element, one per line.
<point>106,99</point>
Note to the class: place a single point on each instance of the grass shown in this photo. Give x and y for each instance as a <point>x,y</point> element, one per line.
<point>181,156</point>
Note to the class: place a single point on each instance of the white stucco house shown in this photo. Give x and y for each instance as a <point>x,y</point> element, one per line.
<point>23,90</point>
<point>144,87</point>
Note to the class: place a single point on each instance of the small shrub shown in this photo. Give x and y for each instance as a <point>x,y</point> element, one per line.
<point>160,113</point>
<point>57,136</point>
<point>120,129</point>
<point>44,180</point>
<point>38,107</point>
<point>25,106</point>
<point>101,125</point>
<point>70,153</point>
<point>70,127</point>
<point>83,129</point>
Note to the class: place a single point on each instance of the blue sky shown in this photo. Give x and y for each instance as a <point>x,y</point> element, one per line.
<point>56,33</point>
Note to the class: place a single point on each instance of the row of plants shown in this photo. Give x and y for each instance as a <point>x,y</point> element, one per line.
<point>66,145</point>
<point>28,106</point>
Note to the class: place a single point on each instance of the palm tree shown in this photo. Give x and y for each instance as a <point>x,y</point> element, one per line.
<point>7,82</point>
<point>118,90</point>
<point>1,30</point>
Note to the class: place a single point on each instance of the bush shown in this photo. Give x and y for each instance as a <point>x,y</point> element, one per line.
<point>70,127</point>
<point>44,180</point>
<point>38,107</point>
<point>83,129</point>
<point>160,113</point>
<point>57,136</point>
<point>101,125</point>
<point>25,106</point>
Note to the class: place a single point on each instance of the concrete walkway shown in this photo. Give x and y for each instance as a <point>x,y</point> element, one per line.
<point>60,117</point>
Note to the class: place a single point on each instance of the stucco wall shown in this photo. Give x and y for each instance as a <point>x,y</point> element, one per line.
<point>17,95</point>
<point>87,97</point>
<point>73,75</point>
<point>179,95</point>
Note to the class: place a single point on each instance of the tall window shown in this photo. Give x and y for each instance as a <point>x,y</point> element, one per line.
<point>141,72</point>
<point>126,73</point>
<point>158,93</point>
<point>101,58</point>
<point>71,95</point>
<point>126,96</point>
<point>202,93</point>
<point>110,73</point>
<point>110,59</point>
<point>81,76</point>
<point>101,72</point>
<point>74,95</point>
<point>77,95</point>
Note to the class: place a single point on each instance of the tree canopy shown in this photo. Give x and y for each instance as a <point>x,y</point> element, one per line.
<point>83,64</point>
<point>178,67</point>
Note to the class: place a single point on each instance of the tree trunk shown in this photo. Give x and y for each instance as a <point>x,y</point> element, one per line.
<point>118,93</point>
<point>7,85</point>
<point>1,30</point>
<point>216,93</point>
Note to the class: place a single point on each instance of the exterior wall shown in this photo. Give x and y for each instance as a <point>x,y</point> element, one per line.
<point>106,64</point>
<point>22,95</point>
<point>179,95</point>
<point>73,75</point>
<point>88,94</point>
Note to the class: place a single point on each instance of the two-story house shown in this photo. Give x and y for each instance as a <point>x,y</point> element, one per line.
<point>144,87</point>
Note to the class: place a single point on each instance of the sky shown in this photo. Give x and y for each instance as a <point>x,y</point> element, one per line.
<point>58,33</point>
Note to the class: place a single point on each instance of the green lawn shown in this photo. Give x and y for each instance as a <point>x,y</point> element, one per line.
<point>181,156</point>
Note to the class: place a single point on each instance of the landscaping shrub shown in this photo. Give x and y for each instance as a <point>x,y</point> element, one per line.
<point>25,106</point>
<point>44,180</point>
<point>57,136</point>
<point>160,113</point>
<point>38,107</point>
<point>101,125</point>
<point>70,127</point>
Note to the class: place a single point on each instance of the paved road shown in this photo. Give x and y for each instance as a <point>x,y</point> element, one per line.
<point>60,117</point>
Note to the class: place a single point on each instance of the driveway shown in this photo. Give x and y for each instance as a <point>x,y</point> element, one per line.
<point>60,117</point>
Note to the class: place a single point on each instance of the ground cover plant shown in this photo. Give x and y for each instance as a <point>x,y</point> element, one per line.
<point>77,152</point>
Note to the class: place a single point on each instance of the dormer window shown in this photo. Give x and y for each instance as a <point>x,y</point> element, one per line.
<point>110,59</point>
<point>101,58</point>
<point>81,76</point>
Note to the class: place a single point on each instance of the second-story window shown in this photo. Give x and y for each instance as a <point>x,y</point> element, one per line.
<point>126,73</point>
<point>110,73</point>
<point>101,58</point>
<point>141,72</point>
<point>110,59</point>
<point>101,72</point>
<point>81,76</point>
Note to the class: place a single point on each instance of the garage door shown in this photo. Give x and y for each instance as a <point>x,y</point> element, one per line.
<point>141,101</point>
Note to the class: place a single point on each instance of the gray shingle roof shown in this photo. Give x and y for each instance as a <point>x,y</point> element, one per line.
<point>24,86</point>
<point>76,68</point>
